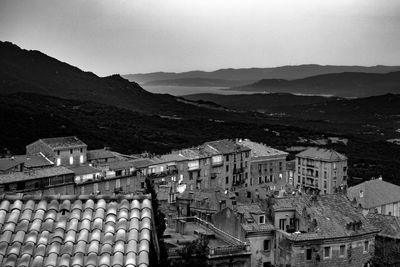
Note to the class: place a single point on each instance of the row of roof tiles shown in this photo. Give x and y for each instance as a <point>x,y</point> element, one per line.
<point>64,232</point>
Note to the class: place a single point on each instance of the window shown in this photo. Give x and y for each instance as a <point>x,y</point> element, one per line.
<point>342,250</point>
<point>81,150</point>
<point>361,193</point>
<point>81,159</point>
<point>118,183</point>
<point>325,184</point>
<point>226,180</point>
<point>107,186</point>
<point>327,252</point>
<point>261,219</point>
<point>259,180</point>
<point>248,194</point>
<point>282,223</point>
<point>95,187</point>
<point>128,181</point>
<point>71,150</point>
<point>227,168</point>
<point>142,185</point>
<point>71,160</point>
<point>58,162</point>
<point>227,157</point>
<point>308,254</point>
<point>366,247</point>
<point>58,152</point>
<point>82,190</point>
<point>267,244</point>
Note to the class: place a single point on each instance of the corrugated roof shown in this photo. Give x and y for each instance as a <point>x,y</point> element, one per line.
<point>75,231</point>
<point>85,169</point>
<point>227,146</point>
<point>63,142</point>
<point>389,225</point>
<point>321,154</point>
<point>375,193</point>
<point>261,150</point>
<point>332,214</point>
<point>8,163</point>
<point>34,161</point>
<point>34,174</point>
<point>99,154</point>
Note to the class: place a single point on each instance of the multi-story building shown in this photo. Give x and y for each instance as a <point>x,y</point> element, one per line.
<point>376,195</point>
<point>249,223</point>
<point>321,169</point>
<point>321,230</point>
<point>63,151</point>
<point>267,166</point>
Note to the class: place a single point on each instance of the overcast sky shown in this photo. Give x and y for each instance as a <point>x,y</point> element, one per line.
<point>132,36</point>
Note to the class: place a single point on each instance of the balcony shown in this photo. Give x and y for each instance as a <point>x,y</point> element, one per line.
<point>217,164</point>
<point>162,174</point>
<point>238,170</point>
<point>237,183</point>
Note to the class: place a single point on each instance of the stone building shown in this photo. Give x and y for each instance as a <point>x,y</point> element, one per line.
<point>321,230</point>
<point>377,196</point>
<point>65,151</point>
<point>321,169</point>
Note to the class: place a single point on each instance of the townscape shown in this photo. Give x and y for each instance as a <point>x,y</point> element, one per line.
<point>64,202</point>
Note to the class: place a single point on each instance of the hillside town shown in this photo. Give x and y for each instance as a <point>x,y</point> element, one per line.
<point>228,202</point>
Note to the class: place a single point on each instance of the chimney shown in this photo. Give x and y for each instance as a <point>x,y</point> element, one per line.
<point>380,177</point>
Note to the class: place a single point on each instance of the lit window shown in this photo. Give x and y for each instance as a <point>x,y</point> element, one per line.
<point>342,250</point>
<point>128,181</point>
<point>71,160</point>
<point>95,187</point>
<point>82,190</point>
<point>107,185</point>
<point>81,159</point>
<point>327,252</point>
<point>58,163</point>
<point>118,183</point>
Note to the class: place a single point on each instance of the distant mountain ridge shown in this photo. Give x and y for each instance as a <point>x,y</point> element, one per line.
<point>196,82</point>
<point>346,84</point>
<point>255,74</point>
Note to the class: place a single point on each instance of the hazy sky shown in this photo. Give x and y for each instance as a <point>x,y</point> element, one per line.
<point>131,36</point>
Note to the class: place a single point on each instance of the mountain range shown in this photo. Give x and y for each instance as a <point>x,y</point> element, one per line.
<point>346,84</point>
<point>249,75</point>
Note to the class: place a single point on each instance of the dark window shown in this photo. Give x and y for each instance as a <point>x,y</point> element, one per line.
<point>227,180</point>
<point>248,194</point>
<point>227,157</point>
<point>70,151</point>
<point>142,184</point>
<point>282,223</point>
<point>81,150</point>
<point>267,244</point>
<point>327,252</point>
<point>58,152</point>
<point>342,250</point>
<point>227,167</point>
<point>309,254</point>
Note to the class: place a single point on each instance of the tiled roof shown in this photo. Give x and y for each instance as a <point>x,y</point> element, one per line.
<point>321,154</point>
<point>331,213</point>
<point>249,208</point>
<point>389,225</point>
<point>141,162</point>
<point>227,146</point>
<point>8,163</point>
<point>207,199</point>
<point>172,157</point>
<point>63,142</point>
<point>34,174</point>
<point>120,164</point>
<point>75,231</point>
<point>375,193</point>
<point>99,154</point>
<point>261,150</point>
<point>34,161</point>
<point>81,170</point>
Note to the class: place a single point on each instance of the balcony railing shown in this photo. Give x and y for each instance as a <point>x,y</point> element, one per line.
<point>238,170</point>
<point>162,174</point>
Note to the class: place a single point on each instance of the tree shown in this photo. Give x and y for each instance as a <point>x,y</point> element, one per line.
<point>159,219</point>
<point>195,253</point>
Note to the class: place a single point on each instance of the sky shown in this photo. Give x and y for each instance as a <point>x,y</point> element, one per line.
<point>140,36</point>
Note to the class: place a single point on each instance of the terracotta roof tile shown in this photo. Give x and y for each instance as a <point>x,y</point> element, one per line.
<point>35,232</point>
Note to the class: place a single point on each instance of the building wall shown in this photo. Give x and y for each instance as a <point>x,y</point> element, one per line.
<point>388,209</point>
<point>258,254</point>
<point>227,221</point>
<point>64,155</point>
<point>354,254</point>
<point>267,170</point>
<point>322,175</point>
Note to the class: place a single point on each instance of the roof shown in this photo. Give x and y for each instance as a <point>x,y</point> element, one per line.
<point>34,161</point>
<point>260,150</point>
<point>99,154</point>
<point>375,193</point>
<point>389,225</point>
<point>34,174</point>
<point>227,146</point>
<point>8,163</point>
<point>75,231</point>
<point>331,214</point>
<point>141,162</point>
<point>85,169</point>
<point>321,154</point>
<point>171,157</point>
<point>205,199</point>
<point>256,227</point>
<point>63,142</point>
<point>120,164</point>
